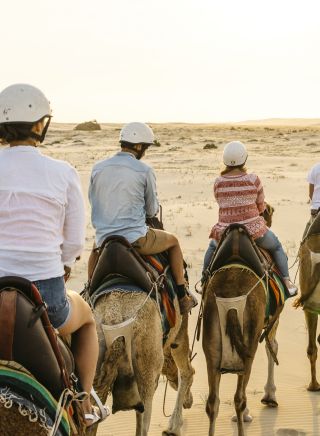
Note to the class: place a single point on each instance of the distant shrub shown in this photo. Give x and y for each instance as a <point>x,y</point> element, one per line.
<point>156,143</point>
<point>210,145</point>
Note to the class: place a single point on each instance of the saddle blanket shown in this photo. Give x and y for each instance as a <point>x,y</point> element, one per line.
<point>30,397</point>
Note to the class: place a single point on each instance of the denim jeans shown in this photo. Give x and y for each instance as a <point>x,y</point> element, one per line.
<point>269,242</point>
<point>208,255</point>
<point>53,293</point>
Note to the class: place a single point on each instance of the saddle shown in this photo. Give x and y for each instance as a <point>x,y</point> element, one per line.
<point>27,336</point>
<point>119,260</point>
<point>237,246</point>
<point>119,265</point>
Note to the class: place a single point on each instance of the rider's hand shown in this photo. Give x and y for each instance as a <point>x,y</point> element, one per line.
<point>67,272</point>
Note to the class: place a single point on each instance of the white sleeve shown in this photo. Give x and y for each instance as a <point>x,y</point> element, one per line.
<point>74,223</point>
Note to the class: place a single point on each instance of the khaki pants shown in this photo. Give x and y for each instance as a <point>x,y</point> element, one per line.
<point>154,242</point>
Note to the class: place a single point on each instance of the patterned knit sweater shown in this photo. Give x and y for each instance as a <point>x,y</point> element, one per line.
<point>241,200</point>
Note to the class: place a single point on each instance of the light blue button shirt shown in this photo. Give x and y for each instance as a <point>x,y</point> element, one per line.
<point>122,194</point>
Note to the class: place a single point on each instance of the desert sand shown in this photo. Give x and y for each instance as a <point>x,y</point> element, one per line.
<point>281,155</point>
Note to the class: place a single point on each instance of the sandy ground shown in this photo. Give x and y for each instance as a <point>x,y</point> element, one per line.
<point>281,156</point>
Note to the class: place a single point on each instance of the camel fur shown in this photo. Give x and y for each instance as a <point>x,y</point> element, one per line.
<point>309,280</point>
<point>117,375</point>
<point>231,283</point>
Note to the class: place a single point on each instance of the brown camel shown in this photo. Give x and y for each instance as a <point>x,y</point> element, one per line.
<point>131,370</point>
<point>232,283</point>
<point>309,278</point>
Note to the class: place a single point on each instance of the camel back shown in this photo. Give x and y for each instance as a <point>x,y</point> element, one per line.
<point>27,336</point>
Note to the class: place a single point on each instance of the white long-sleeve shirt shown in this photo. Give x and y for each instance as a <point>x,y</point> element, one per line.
<point>42,218</point>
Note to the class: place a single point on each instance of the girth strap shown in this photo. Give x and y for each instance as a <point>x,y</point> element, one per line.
<point>7,323</point>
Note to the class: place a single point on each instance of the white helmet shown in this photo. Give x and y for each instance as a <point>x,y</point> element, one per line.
<point>234,154</point>
<point>22,103</point>
<point>136,133</point>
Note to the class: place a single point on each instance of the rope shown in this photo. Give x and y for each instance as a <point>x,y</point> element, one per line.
<point>164,400</point>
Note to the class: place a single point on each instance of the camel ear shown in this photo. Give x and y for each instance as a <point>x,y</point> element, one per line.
<point>267,214</point>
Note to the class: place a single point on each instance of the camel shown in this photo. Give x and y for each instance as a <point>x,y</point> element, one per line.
<point>132,373</point>
<point>235,353</point>
<point>309,280</point>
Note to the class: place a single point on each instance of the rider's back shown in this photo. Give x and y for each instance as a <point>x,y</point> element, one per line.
<point>35,198</point>
<point>122,193</point>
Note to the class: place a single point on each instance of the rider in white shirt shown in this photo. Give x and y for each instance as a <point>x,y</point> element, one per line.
<point>42,224</point>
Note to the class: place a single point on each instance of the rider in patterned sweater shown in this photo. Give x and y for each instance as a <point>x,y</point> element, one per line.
<point>240,198</point>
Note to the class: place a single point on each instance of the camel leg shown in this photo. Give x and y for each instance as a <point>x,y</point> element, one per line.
<point>143,419</point>
<point>312,321</point>
<point>240,400</point>
<point>180,354</point>
<point>213,402</point>
<point>269,398</point>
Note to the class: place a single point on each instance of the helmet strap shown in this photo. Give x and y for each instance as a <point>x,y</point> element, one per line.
<point>41,137</point>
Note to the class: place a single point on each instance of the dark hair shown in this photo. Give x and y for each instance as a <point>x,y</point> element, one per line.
<point>227,169</point>
<point>125,144</point>
<point>15,132</point>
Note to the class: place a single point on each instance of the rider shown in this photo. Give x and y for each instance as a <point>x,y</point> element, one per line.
<point>123,194</point>
<point>240,198</point>
<point>314,193</point>
<point>42,223</point>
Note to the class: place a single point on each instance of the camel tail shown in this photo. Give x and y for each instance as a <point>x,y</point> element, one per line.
<point>233,330</point>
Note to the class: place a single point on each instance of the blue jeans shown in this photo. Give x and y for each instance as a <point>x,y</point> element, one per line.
<point>269,242</point>
<point>53,293</point>
<point>208,255</point>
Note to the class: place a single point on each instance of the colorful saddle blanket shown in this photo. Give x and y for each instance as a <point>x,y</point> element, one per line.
<point>30,397</point>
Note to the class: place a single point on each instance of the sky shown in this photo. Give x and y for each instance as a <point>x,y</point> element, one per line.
<point>166,60</point>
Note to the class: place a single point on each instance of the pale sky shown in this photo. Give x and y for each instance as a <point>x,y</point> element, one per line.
<point>165,60</point>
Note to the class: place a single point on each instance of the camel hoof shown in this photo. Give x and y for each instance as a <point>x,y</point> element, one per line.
<point>269,402</point>
<point>313,387</point>
<point>246,418</point>
<point>169,433</point>
<point>187,404</point>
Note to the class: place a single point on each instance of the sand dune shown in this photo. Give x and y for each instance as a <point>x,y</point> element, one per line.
<point>281,156</point>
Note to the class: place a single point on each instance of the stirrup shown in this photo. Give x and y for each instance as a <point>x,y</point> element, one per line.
<point>95,417</point>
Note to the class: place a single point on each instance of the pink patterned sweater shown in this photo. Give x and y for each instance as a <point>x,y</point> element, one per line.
<point>241,200</point>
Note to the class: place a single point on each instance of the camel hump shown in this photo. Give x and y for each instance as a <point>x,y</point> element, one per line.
<point>117,257</point>
<point>28,338</point>
<point>236,246</point>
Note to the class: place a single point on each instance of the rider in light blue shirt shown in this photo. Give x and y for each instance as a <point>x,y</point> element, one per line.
<point>122,194</point>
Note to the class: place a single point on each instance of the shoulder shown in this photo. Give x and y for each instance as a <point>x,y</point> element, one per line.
<point>315,169</point>
<point>254,178</point>
<point>61,170</point>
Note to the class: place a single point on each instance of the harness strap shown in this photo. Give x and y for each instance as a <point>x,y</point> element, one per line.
<point>7,322</point>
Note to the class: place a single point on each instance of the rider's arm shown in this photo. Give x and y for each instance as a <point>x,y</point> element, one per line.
<point>74,223</point>
<point>260,196</point>
<point>311,189</point>
<point>150,194</point>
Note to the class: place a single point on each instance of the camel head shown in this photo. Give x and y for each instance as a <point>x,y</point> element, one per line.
<point>267,214</point>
